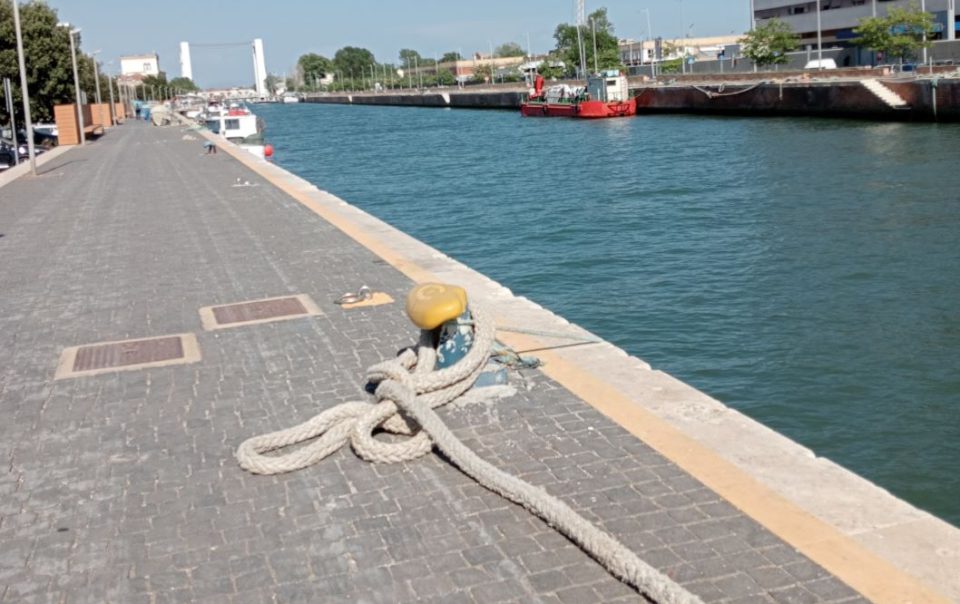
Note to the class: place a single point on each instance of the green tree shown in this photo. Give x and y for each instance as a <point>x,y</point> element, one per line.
<point>273,83</point>
<point>352,61</point>
<point>184,84</point>
<point>46,50</point>
<point>769,43</point>
<point>483,72</point>
<point>509,49</point>
<point>314,67</point>
<point>410,57</point>
<point>900,34</point>
<point>449,57</point>
<point>608,47</point>
<point>446,77</point>
<point>551,69</point>
<point>154,85</point>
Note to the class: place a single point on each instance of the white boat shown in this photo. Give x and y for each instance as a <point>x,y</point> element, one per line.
<point>290,98</point>
<point>238,125</point>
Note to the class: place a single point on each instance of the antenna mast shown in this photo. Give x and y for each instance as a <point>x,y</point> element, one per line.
<point>581,23</point>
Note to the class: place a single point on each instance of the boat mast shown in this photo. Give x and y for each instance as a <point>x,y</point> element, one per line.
<point>581,23</point>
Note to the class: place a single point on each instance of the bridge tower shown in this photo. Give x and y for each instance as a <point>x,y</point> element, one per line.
<point>259,68</point>
<point>186,68</point>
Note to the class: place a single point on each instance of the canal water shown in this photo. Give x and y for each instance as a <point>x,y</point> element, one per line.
<point>803,271</point>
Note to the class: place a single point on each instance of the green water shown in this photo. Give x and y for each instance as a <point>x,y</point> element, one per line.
<point>805,272</point>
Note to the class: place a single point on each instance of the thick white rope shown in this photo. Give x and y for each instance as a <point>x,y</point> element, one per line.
<point>408,391</point>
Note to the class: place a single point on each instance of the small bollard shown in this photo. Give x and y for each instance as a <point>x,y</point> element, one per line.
<point>444,310</point>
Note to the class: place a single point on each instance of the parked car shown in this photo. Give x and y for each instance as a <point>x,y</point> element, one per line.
<point>6,156</point>
<point>23,152</point>
<point>41,138</point>
<point>821,64</point>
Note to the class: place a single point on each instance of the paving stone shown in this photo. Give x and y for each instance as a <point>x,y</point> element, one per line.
<point>138,232</point>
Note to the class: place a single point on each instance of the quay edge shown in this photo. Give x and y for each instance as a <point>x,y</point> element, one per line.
<point>882,546</point>
<point>927,99</point>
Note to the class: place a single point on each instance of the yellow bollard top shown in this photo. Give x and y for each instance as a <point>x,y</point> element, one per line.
<point>430,305</point>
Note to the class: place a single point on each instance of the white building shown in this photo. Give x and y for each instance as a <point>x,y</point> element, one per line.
<point>838,18</point>
<point>642,52</point>
<point>142,65</point>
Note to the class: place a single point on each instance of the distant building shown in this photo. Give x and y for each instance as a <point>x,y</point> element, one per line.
<point>140,65</point>
<point>642,52</point>
<point>838,18</point>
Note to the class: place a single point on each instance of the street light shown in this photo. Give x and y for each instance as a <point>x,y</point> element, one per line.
<point>923,7</point>
<point>113,117</point>
<point>643,49</point>
<point>24,93</point>
<point>96,72</point>
<point>76,80</point>
<point>819,40</point>
<point>951,19</point>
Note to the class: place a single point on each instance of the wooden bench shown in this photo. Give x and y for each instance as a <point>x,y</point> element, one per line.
<point>93,130</point>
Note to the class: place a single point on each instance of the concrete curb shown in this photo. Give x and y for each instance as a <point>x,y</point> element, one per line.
<point>11,174</point>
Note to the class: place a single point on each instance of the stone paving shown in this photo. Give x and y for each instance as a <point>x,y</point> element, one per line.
<point>122,487</point>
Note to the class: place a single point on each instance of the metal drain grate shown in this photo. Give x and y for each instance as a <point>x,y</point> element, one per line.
<point>258,311</point>
<point>92,359</point>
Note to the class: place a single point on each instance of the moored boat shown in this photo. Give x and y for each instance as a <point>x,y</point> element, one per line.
<point>238,125</point>
<point>606,95</point>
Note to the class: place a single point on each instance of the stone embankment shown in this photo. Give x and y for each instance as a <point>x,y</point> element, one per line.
<point>842,94</point>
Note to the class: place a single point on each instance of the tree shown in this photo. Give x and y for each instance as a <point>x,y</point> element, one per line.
<point>314,67</point>
<point>509,49</point>
<point>352,61</point>
<point>483,72</point>
<point>608,47</point>
<point>552,69</point>
<point>769,43</point>
<point>900,34</point>
<point>410,57</point>
<point>446,78</point>
<point>184,84</point>
<point>273,83</point>
<point>49,65</point>
<point>156,80</point>
<point>450,57</point>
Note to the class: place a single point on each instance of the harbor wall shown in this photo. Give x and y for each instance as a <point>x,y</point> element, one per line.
<point>486,99</point>
<point>741,95</point>
<point>823,99</point>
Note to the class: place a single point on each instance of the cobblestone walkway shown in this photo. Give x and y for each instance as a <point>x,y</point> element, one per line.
<point>122,487</point>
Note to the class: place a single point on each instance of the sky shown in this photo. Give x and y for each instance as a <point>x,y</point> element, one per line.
<point>290,28</point>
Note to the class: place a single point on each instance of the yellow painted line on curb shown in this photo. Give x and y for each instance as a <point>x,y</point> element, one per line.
<point>872,576</point>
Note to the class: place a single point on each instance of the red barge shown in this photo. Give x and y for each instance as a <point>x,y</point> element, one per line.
<point>606,95</point>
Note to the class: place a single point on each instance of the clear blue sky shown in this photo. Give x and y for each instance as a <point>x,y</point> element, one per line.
<point>290,28</point>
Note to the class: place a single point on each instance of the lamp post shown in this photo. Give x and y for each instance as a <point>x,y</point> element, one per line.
<point>593,26</point>
<point>96,73</point>
<point>76,79</point>
<point>492,80</point>
<point>28,124</point>
<point>113,116</point>
<point>923,8</point>
<point>819,39</point>
<point>951,19</point>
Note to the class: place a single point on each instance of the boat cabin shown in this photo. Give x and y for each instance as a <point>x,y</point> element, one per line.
<point>608,86</point>
<point>237,126</point>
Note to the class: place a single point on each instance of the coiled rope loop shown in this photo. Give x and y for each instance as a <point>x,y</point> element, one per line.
<point>408,390</point>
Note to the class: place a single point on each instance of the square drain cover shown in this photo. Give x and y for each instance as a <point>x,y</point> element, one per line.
<point>93,359</point>
<point>258,311</point>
